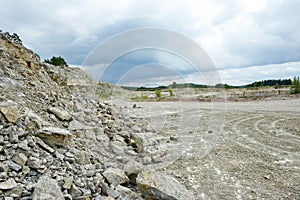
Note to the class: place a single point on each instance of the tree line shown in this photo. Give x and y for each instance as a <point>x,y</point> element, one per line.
<point>293,84</point>
<point>271,82</point>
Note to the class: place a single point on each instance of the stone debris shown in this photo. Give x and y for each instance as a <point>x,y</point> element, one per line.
<point>55,136</point>
<point>133,167</point>
<point>115,176</point>
<point>8,184</point>
<point>44,145</point>
<point>10,113</point>
<point>14,166</point>
<point>20,159</point>
<point>127,194</point>
<point>156,185</point>
<point>68,183</point>
<point>59,140</point>
<point>34,162</point>
<point>60,114</point>
<point>47,189</point>
<point>15,192</point>
<point>3,167</point>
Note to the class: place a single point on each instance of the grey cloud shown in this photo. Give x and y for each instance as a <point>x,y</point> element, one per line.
<point>145,59</point>
<point>147,72</point>
<point>232,35</point>
<point>246,75</point>
<point>271,38</point>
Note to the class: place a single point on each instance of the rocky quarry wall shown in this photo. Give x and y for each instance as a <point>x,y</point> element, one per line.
<point>58,141</point>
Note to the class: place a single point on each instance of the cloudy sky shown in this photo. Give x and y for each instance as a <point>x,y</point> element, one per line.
<point>245,40</point>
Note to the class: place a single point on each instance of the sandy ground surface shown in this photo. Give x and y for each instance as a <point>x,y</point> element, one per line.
<point>233,150</point>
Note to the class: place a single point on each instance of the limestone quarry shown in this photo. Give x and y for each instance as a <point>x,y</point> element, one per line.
<point>60,140</point>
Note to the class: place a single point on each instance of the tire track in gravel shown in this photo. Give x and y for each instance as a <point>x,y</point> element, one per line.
<point>284,132</point>
<point>258,140</point>
<point>273,131</point>
<point>246,162</point>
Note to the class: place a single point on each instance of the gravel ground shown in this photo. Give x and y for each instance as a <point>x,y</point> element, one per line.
<point>233,150</point>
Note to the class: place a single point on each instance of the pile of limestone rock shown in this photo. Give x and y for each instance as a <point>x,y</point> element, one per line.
<point>59,141</point>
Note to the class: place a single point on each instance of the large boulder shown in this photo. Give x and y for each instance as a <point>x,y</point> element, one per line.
<point>11,113</point>
<point>60,114</point>
<point>132,168</point>
<point>115,176</point>
<point>47,189</point>
<point>55,136</point>
<point>8,184</point>
<point>154,185</point>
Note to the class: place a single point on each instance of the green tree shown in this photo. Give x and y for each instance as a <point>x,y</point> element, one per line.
<point>16,39</point>
<point>295,87</point>
<point>57,61</point>
<point>219,85</point>
<point>174,85</point>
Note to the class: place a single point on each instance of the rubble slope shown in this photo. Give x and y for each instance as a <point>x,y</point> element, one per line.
<point>59,141</point>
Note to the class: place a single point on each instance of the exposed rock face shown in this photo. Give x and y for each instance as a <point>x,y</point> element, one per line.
<point>59,141</point>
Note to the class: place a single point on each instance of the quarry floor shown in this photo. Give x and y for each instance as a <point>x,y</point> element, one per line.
<point>229,150</point>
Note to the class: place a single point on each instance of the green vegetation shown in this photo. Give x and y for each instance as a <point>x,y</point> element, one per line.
<point>254,97</point>
<point>270,83</point>
<point>295,87</point>
<point>274,83</point>
<point>37,55</point>
<point>57,61</point>
<point>188,85</point>
<point>174,85</point>
<point>171,92</point>
<point>143,96</point>
<point>104,94</point>
<point>15,38</point>
<point>158,93</point>
<point>226,86</point>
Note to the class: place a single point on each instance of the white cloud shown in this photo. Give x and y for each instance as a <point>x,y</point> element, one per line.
<point>233,33</point>
<point>242,76</point>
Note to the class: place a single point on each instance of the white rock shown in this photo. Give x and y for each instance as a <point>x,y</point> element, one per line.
<point>156,185</point>
<point>133,167</point>
<point>60,114</point>
<point>20,159</point>
<point>55,136</point>
<point>47,189</point>
<point>115,176</point>
<point>8,184</point>
<point>11,114</point>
